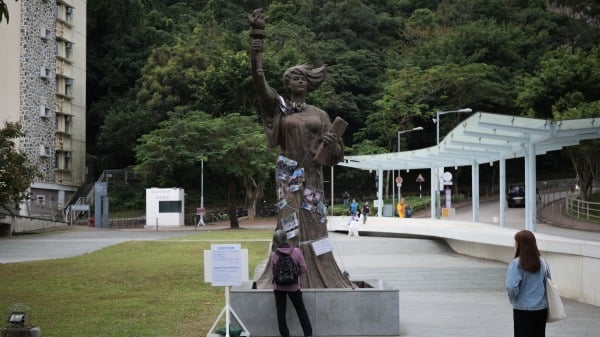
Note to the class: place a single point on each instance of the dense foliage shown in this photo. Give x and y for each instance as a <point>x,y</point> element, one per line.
<point>391,65</point>
<point>16,173</point>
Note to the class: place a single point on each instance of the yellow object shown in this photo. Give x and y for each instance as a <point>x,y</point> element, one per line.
<point>401,208</point>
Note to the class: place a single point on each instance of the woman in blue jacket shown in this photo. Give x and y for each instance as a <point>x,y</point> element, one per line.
<point>525,284</point>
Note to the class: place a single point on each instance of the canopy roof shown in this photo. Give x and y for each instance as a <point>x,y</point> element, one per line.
<point>483,138</point>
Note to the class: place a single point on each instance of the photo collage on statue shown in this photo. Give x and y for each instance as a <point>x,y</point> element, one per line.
<point>290,178</point>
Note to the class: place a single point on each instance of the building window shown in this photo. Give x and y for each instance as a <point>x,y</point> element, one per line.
<point>69,14</point>
<point>68,49</point>
<point>40,199</point>
<point>68,123</point>
<point>169,206</point>
<point>69,87</point>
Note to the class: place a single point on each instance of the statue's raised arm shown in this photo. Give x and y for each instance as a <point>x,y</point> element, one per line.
<point>267,95</point>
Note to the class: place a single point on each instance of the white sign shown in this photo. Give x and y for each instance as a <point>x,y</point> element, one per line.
<point>322,246</point>
<point>85,208</point>
<point>226,262</point>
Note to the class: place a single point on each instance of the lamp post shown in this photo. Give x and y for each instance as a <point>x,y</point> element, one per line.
<point>201,221</point>
<point>418,128</point>
<point>437,173</point>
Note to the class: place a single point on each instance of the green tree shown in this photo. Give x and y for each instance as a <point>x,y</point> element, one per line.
<point>16,173</point>
<point>567,86</point>
<point>233,147</point>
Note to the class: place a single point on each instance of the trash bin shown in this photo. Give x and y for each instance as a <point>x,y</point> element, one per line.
<point>92,222</point>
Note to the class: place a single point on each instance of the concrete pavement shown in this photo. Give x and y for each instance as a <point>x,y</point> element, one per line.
<point>442,294</point>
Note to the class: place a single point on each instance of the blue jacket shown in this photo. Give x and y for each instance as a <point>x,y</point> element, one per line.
<point>526,291</point>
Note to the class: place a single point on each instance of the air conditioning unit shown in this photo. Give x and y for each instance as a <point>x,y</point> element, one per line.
<point>44,151</point>
<point>44,72</point>
<point>45,33</point>
<point>45,111</point>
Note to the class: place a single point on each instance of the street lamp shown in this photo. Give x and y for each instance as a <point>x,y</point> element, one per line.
<point>418,128</point>
<point>202,209</point>
<point>437,120</point>
<point>437,173</point>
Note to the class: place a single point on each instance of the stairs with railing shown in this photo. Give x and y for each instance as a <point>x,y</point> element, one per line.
<point>84,198</point>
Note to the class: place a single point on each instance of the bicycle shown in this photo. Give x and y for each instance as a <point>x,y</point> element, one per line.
<point>267,210</point>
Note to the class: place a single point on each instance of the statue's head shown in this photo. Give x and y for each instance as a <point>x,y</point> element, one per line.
<point>314,77</point>
<point>280,238</point>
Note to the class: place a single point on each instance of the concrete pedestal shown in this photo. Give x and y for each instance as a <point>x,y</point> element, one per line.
<point>372,310</point>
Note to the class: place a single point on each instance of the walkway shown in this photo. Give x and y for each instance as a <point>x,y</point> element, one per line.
<point>442,294</point>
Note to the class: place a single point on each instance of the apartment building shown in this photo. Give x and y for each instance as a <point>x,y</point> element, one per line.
<point>42,86</point>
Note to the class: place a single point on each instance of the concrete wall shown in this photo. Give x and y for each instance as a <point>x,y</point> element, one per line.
<point>10,225</point>
<point>574,264</point>
<point>332,312</point>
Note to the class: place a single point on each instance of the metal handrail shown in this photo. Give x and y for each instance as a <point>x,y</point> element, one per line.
<point>587,210</point>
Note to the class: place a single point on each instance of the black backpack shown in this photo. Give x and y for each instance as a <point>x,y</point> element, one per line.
<point>286,270</point>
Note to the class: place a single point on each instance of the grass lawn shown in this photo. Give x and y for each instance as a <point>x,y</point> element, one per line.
<point>138,288</point>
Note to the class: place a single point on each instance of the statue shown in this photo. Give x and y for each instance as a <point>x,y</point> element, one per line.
<point>308,140</point>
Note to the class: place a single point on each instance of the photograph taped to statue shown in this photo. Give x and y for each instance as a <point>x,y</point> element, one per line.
<point>307,140</point>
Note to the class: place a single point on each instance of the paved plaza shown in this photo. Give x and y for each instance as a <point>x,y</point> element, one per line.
<point>442,294</point>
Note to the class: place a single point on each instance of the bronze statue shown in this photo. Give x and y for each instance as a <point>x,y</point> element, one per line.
<point>307,140</point>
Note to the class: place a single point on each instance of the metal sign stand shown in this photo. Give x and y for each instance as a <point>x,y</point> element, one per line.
<point>227,310</point>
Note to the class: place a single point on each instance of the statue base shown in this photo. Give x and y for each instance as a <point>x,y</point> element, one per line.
<point>371,309</point>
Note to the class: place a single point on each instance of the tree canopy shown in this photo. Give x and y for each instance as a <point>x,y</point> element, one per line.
<point>232,147</point>
<point>16,173</point>
<point>391,65</point>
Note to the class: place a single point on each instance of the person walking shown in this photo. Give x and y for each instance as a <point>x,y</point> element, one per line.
<point>401,208</point>
<point>355,221</point>
<point>282,292</point>
<point>365,212</point>
<point>353,207</point>
<point>525,284</point>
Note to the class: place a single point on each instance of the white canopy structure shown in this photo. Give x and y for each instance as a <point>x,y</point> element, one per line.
<point>485,138</point>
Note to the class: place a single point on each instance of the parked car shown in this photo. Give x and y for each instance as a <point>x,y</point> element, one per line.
<point>515,196</point>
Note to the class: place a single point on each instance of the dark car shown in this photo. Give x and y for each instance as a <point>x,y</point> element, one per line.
<point>515,195</point>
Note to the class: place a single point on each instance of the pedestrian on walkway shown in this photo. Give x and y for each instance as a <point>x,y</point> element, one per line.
<point>282,292</point>
<point>353,207</point>
<point>365,212</point>
<point>345,197</point>
<point>355,221</point>
<point>525,284</point>
<point>401,208</point>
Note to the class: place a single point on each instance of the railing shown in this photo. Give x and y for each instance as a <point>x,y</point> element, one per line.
<point>47,210</point>
<point>72,212</point>
<point>584,210</point>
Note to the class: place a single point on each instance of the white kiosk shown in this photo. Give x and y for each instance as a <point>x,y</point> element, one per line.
<point>164,207</point>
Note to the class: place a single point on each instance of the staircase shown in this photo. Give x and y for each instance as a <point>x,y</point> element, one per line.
<point>84,198</point>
